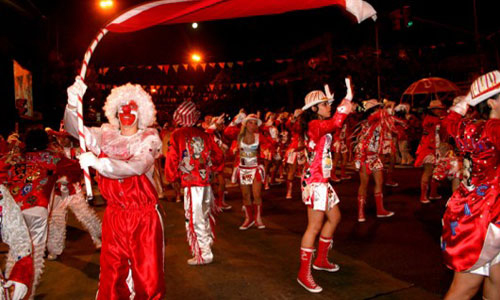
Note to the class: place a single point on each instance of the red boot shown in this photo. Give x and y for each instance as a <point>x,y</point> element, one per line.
<point>289,185</point>
<point>257,208</point>
<point>424,187</point>
<point>390,182</point>
<point>343,175</point>
<point>223,204</point>
<point>361,208</point>
<point>249,221</point>
<point>334,177</point>
<point>305,278</point>
<point>434,195</point>
<point>379,202</point>
<point>321,262</point>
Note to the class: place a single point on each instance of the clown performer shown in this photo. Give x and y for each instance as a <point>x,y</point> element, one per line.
<point>295,154</point>
<point>30,175</point>
<point>428,150</point>
<point>471,223</point>
<point>317,193</point>
<point>69,194</point>
<point>252,147</point>
<point>368,152</point>
<point>14,232</point>
<point>215,131</point>
<point>123,152</point>
<point>272,162</point>
<point>193,156</point>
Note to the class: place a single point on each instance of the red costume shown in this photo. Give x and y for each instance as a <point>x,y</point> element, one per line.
<point>471,223</point>
<point>132,229</point>
<point>427,152</point>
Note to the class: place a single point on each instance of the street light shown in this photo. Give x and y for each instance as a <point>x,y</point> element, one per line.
<point>194,25</point>
<point>196,57</point>
<point>106,4</point>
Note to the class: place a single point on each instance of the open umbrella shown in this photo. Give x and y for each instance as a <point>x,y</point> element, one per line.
<point>430,86</point>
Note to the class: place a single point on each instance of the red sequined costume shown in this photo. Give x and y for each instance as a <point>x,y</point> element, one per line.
<point>193,156</point>
<point>316,191</point>
<point>373,137</point>
<point>471,223</point>
<point>427,151</point>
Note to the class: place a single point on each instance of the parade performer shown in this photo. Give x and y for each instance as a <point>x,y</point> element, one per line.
<point>193,156</point>
<point>340,148</point>
<point>317,193</point>
<point>295,154</point>
<point>471,222</point>
<point>14,232</point>
<point>369,149</point>
<point>252,147</point>
<point>389,141</point>
<point>215,131</point>
<point>123,152</point>
<point>401,111</point>
<point>69,194</point>
<point>271,163</point>
<point>30,175</point>
<point>428,149</point>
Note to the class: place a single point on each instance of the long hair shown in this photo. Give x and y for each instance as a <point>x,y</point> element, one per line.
<point>307,116</point>
<point>242,133</point>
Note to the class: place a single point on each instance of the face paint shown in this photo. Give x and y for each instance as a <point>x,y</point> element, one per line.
<point>128,113</point>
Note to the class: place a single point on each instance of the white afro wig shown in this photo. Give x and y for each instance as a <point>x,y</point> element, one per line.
<point>121,96</point>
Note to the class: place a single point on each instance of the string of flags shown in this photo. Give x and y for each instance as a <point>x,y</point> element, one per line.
<point>196,66</point>
<point>207,87</point>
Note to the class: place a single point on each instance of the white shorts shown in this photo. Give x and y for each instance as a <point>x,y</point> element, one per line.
<point>319,196</point>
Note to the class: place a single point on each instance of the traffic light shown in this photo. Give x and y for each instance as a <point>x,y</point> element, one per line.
<point>407,19</point>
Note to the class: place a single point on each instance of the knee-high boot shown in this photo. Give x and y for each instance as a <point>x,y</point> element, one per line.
<point>305,278</point>
<point>381,212</point>
<point>321,262</point>
<point>249,220</point>
<point>361,208</point>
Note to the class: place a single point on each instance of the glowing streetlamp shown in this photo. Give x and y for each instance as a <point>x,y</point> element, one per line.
<point>196,57</point>
<point>194,25</point>
<point>106,4</point>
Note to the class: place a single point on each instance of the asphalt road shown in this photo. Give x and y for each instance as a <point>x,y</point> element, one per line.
<point>394,258</point>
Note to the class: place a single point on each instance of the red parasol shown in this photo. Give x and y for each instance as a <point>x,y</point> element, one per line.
<point>431,85</point>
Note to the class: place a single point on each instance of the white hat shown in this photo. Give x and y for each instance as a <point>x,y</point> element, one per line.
<point>436,104</point>
<point>485,87</point>
<point>315,97</point>
<point>402,107</point>
<point>252,117</point>
<point>370,103</point>
<point>186,114</point>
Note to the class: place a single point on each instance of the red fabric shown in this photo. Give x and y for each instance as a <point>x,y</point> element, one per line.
<point>134,235</point>
<point>159,12</point>
<point>428,144</point>
<point>23,271</point>
<point>476,203</point>
<point>316,132</point>
<point>131,231</point>
<point>184,162</point>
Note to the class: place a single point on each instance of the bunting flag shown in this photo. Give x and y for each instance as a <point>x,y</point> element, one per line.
<point>176,68</point>
<point>185,66</point>
<point>211,86</point>
<point>240,63</point>
<point>212,65</point>
<point>203,66</point>
<point>230,65</point>
<point>222,64</point>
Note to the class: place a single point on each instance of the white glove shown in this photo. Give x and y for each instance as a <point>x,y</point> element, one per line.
<point>239,118</point>
<point>462,105</point>
<point>77,90</point>
<point>20,289</point>
<point>348,94</point>
<point>345,107</point>
<point>88,159</point>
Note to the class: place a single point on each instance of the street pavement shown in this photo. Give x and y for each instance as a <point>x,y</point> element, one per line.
<point>393,258</point>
